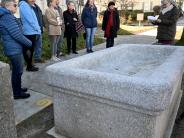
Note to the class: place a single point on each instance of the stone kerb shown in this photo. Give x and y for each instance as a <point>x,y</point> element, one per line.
<point>7,119</point>
<point>126,91</point>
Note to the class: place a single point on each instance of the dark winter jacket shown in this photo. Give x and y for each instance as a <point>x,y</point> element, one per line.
<point>70,30</point>
<point>116,22</point>
<point>89,16</point>
<point>39,16</point>
<point>167,27</point>
<point>11,33</point>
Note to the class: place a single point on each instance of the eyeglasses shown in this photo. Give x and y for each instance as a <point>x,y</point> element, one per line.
<point>15,5</point>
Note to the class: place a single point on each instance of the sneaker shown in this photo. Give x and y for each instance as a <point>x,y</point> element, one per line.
<point>55,58</point>
<point>24,89</point>
<point>32,69</point>
<point>60,54</point>
<point>39,61</point>
<point>75,52</point>
<point>22,96</point>
<point>58,59</point>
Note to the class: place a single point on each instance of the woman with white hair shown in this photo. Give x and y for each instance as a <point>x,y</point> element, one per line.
<point>167,22</point>
<point>13,43</point>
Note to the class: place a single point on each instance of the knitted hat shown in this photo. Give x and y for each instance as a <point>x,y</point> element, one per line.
<point>111,3</point>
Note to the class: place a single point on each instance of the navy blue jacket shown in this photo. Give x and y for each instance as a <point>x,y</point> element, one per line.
<point>11,33</point>
<point>39,16</point>
<point>89,16</point>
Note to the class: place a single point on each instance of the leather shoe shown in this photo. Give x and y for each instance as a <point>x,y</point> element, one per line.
<point>91,51</point>
<point>75,52</point>
<point>22,96</point>
<point>24,89</point>
<point>33,69</point>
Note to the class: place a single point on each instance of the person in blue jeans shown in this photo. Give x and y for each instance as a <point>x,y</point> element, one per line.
<point>88,17</point>
<point>61,41</point>
<point>38,50</point>
<point>13,42</point>
<point>38,43</point>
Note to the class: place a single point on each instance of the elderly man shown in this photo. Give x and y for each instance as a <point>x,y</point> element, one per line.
<point>13,42</point>
<point>167,23</point>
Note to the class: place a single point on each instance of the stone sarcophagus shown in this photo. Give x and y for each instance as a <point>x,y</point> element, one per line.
<point>128,91</point>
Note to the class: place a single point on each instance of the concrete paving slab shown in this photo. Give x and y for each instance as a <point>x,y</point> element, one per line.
<point>24,108</point>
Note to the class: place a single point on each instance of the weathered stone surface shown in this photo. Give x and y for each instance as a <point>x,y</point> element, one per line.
<point>126,91</point>
<point>7,119</point>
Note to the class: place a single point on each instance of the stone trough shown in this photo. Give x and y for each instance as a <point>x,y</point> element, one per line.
<point>128,91</point>
<point>7,117</point>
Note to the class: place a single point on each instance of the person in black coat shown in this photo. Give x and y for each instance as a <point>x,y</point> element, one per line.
<point>70,19</point>
<point>110,24</point>
<point>167,23</point>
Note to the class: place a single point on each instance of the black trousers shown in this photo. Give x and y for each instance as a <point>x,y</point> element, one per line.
<point>109,42</point>
<point>71,42</point>
<point>28,51</point>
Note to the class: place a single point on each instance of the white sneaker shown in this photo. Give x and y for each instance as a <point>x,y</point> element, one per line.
<point>53,58</point>
<point>58,59</point>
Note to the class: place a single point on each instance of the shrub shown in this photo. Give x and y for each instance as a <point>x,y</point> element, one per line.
<point>46,49</point>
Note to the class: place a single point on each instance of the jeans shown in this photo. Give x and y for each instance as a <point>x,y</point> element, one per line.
<point>90,33</point>
<point>38,47</point>
<point>60,43</point>
<point>17,70</point>
<point>54,40</point>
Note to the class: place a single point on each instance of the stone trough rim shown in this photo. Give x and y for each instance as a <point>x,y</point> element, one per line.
<point>160,88</point>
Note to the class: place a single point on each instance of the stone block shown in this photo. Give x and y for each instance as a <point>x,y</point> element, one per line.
<point>128,91</point>
<point>7,118</point>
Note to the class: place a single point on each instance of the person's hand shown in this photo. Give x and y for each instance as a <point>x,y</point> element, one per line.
<point>158,21</point>
<point>60,23</point>
<point>75,19</point>
<point>28,53</point>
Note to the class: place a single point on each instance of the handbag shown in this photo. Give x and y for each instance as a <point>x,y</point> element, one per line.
<point>79,27</point>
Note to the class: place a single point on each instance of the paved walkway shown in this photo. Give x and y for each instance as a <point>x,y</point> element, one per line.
<point>35,81</point>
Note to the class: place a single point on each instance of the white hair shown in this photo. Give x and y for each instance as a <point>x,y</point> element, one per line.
<point>5,3</point>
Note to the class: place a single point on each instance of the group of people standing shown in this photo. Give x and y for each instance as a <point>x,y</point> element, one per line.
<point>22,38</point>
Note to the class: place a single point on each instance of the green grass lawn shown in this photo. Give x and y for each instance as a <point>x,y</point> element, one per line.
<point>180,41</point>
<point>124,32</point>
